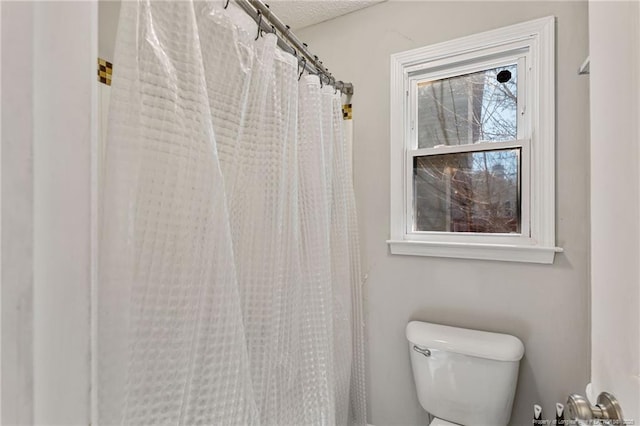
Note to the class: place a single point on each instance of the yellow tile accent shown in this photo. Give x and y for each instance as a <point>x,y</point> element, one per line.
<point>105,70</point>
<point>347,112</point>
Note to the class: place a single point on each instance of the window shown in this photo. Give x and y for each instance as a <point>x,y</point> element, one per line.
<point>472,147</point>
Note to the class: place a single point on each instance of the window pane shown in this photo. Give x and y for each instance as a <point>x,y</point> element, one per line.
<point>481,106</point>
<point>467,192</point>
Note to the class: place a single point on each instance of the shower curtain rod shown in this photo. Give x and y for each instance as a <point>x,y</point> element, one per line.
<point>287,41</point>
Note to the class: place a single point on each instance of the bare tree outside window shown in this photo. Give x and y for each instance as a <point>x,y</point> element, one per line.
<point>472,191</point>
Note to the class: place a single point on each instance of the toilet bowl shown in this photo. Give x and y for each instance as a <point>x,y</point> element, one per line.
<point>464,377</point>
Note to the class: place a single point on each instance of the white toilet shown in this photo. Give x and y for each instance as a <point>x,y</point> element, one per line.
<point>464,377</point>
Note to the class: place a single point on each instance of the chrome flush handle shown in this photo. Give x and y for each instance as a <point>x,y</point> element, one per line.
<point>424,351</point>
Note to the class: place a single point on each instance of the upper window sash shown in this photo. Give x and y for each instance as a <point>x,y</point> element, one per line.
<point>413,80</point>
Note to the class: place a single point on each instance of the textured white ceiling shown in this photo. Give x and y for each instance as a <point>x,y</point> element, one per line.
<point>302,13</point>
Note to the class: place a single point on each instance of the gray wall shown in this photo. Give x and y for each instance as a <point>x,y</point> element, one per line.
<point>48,49</point>
<point>108,15</point>
<point>545,306</point>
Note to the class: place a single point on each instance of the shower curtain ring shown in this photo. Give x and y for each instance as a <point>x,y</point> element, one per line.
<point>304,61</point>
<point>226,4</point>
<point>259,24</point>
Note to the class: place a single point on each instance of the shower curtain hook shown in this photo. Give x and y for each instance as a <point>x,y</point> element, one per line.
<point>226,4</point>
<point>304,61</point>
<point>320,74</point>
<point>259,24</point>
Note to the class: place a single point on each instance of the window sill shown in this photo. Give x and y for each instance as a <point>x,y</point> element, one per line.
<point>501,252</point>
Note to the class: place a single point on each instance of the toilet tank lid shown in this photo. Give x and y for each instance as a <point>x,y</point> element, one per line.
<point>481,344</point>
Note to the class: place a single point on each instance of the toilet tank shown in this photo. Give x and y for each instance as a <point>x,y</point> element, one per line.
<point>464,376</point>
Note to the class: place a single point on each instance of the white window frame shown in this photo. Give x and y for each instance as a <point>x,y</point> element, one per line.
<point>532,46</point>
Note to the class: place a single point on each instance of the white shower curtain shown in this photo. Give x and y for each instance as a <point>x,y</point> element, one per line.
<point>229,290</point>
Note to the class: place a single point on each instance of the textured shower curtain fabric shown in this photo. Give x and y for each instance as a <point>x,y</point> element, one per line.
<point>229,278</point>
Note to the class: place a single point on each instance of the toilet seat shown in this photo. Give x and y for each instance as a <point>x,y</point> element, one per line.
<point>439,422</point>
